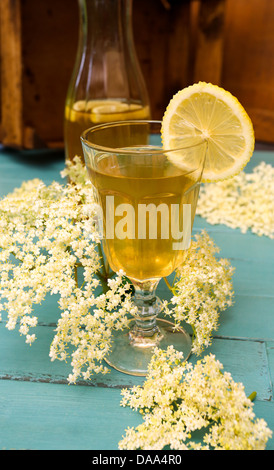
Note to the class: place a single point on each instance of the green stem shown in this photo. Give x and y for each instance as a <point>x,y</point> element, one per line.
<point>252,396</point>
<point>76,275</point>
<point>103,275</point>
<point>105,265</point>
<point>168,284</point>
<point>106,273</point>
<point>103,280</point>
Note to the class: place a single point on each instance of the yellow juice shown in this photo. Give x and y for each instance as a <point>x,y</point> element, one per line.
<point>82,115</point>
<point>122,186</point>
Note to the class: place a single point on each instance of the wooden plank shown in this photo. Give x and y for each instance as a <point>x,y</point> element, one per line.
<point>253,278</point>
<point>270,355</point>
<point>262,119</point>
<point>209,41</point>
<point>11,73</point>
<point>236,245</point>
<point>163,47</point>
<point>17,167</point>
<point>177,71</point>
<point>39,416</point>
<point>248,67</point>
<point>38,47</point>
<point>247,362</point>
<point>19,361</point>
<point>250,317</point>
<point>55,417</point>
<point>265,410</point>
<point>49,44</point>
<point>40,411</point>
<point>231,44</point>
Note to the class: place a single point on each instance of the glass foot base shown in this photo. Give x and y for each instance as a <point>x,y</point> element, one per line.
<point>133,358</point>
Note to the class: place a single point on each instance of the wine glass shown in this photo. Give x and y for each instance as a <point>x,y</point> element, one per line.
<point>147,207</point>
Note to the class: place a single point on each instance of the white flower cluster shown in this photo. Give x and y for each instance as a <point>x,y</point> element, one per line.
<point>90,332</point>
<point>202,289</point>
<point>245,201</point>
<point>49,245</point>
<point>178,399</point>
<point>47,236</point>
<point>44,230</point>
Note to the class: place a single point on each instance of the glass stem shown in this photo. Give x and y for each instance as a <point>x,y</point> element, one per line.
<point>145,331</point>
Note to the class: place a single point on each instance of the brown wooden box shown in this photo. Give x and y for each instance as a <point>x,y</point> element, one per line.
<point>227,42</point>
<point>38,46</point>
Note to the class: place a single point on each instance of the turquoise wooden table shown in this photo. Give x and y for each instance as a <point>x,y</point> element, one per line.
<point>39,410</point>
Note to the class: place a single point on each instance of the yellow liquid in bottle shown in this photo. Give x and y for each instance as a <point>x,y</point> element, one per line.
<point>82,115</point>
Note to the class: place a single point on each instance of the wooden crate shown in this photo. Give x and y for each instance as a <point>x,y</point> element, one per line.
<point>38,47</point>
<point>181,42</point>
<point>248,66</point>
<point>178,42</point>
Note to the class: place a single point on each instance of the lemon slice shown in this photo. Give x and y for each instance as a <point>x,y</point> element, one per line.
<point>110,108</point>
<point>102,111</point>
<point>206,112</point>
<point>117,111</point>
<point>81,108</point>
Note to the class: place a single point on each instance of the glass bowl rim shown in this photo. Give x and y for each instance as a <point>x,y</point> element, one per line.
<point>127,151</point>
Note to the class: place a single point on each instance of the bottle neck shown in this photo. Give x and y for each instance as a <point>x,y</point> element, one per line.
<point>106,24</point>
<point>106,64</point>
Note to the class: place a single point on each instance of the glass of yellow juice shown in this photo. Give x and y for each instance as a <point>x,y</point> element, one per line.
<point>146,208</point>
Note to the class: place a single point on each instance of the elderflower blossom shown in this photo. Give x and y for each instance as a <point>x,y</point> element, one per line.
<point>202,289</point>
<point>245,201</point>
<point>49,244</point>
<point>90,333</point>
<point>178,398</point>
<point>48,236</point>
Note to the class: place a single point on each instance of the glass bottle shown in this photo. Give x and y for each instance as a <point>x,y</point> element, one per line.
<point>107,83</point>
